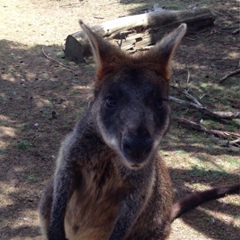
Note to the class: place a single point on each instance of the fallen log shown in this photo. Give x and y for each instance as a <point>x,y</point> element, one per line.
<point>133,33</point>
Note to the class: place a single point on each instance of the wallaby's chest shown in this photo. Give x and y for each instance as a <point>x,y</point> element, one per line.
<point>92,209</point>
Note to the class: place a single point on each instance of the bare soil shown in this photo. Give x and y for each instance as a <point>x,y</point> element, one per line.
<point>40,101</point>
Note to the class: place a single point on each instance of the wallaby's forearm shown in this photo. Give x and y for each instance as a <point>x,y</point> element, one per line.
<point>62,192</point>
<point>127,215</point>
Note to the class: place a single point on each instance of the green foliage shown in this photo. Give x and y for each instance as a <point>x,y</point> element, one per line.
<point>23,145</point>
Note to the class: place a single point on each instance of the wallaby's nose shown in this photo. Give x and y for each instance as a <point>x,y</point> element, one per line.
<point>136,149</point>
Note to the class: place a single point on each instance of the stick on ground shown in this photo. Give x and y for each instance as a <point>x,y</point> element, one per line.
<point>233,73</point>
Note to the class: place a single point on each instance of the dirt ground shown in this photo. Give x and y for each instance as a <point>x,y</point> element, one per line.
<point>40,100</point>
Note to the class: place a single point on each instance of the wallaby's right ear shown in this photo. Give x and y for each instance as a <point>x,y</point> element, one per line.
<point>107,56</point>
<point>161,54</point>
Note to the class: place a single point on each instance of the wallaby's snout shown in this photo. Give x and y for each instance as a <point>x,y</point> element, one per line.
<point>132,123</point>
<point>136,147</point>
<point>131,109</point>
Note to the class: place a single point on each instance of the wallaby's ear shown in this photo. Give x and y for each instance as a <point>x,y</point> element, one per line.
<point>161,54</point>
<point>109,57</point>
<point>106,55</point>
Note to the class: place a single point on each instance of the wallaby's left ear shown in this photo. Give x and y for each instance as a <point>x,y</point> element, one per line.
<point>107,56</point>
<point>161,54</point>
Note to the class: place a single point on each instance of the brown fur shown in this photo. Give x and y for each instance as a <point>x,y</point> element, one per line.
<point>99,191</point>
<point>93,209</point>
<point>91,215</point>
<point>110,182</point>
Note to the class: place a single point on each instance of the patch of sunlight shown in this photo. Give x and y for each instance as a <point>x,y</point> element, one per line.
<point>30,75</point>
<point>27,218</point>
<point>2,95</point>
<point>198,66</point>
<point>191,159</point>
<point>4,118</point>
<point>5,189</point>
<point>7,131</point>
<point>197,186</point>
<point>234,55</point>
<point>179,159</point>
<point>18,169</point>
<point>179,65</point>
<point>222,216</point>
<point>5,201</point>
<point>43,102</point>
<point>10,78</point>
<point>80,87</point>
<point>229,163</point>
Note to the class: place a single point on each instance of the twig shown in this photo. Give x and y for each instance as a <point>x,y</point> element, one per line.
<point>97,17</point>
<point>71,5</point>
<point>235,72</point>
<point>235,141</point>
<point>186,92</point>
<point>191,39</point>
<point>236,31</point>
<point>188,77</point>
<point>222,134</point>
<point>205,110</point>
<point>191,97</point>
<point>63,65</point>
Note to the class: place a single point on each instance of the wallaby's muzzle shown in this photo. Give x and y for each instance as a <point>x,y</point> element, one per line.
<point>136,149</point>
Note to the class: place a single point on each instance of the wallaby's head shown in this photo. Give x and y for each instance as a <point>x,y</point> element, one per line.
<point>131,107</point>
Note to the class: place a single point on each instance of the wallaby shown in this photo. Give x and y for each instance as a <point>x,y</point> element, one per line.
<point>110,183</point>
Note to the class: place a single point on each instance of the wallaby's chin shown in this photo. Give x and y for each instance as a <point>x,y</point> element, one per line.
<point>135,163</point>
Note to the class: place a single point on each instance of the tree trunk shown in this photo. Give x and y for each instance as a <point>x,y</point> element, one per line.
<point>133,33</point>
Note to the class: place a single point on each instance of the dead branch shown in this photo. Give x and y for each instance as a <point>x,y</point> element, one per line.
<point>220,134</point>
<point>235,141</point>
<point>233,73</point>
<point>54,60</point>
<point>190,97</point>
<point>203,109</point>
<point>236,31</point>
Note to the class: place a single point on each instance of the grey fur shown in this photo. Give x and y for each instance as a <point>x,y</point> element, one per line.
<point>110,182</point>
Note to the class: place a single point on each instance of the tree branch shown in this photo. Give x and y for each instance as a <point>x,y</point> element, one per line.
<point>52,59</point>
<point>221,134</point>
<point>235,72</point>
<point>203,109</point>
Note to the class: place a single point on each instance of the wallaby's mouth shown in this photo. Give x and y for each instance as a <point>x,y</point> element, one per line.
<point>136,150</point>
<point>135,165</point>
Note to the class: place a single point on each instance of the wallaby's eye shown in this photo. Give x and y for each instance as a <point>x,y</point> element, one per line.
<point>159,103</point>
<point>110,102</point>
